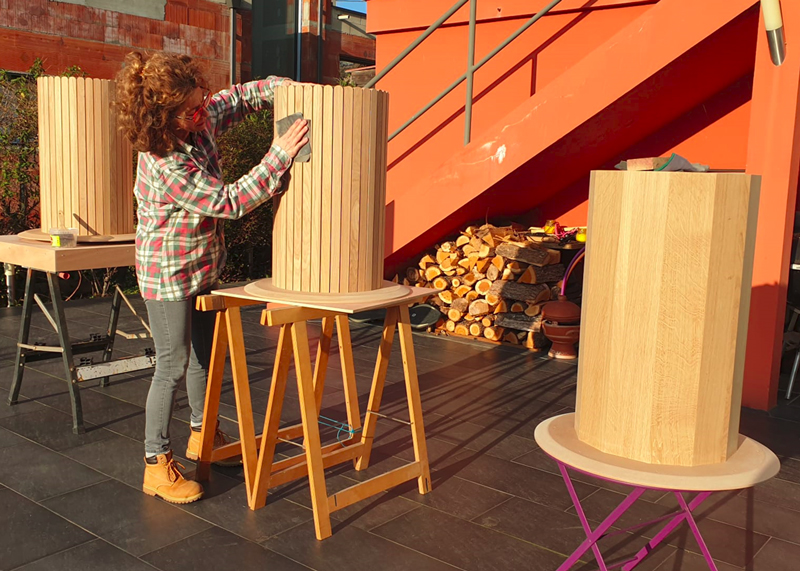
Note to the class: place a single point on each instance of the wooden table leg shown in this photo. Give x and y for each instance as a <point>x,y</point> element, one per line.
<point>348,376</point>
<point>244,408</point>
<point>376,392</point>
<point>24,333</point>
<point>216,370</point>
<point>321,366</point>
<point>414,400</point>
<point>311,441</point>
<point>269,436</point>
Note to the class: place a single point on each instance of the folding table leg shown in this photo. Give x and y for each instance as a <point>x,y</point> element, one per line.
<point>24,333</point>
<point>592,537</point>
<point>66,353</point>
<point>686,514</point>
<point>111,333</point>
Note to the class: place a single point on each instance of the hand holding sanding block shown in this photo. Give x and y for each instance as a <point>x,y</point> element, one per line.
<point>304,154</point>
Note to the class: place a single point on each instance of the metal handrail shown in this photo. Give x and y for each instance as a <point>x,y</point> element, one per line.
<point>471,66</point>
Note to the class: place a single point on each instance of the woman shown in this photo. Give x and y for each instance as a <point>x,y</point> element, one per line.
<point>173,120</point>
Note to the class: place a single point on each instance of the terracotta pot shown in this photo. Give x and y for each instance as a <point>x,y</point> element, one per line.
<point>561,325</point>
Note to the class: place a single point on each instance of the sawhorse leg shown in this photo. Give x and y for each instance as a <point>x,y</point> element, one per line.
<point>593,536</point>
<point>22,339</point>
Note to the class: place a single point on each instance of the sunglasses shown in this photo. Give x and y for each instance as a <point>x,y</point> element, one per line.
<point>196,114</point>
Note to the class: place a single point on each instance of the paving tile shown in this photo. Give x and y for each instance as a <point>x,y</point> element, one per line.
<point>463,544</point>
<point>457,497</point>
<point>224,504</point>
<point>138,524</point>
<point>38,473</point>
<point>350,548</point>
<point>688,561</point>
<point>118,457</point>
<point>31,532</point>
<point>8,438</point>
<point>52,428</point>
<point>777,555</point>
<point>216,548</point>
<point>497,443</point>
<point>527,483</point>
<point>778,492</point>
<point>95,555</point>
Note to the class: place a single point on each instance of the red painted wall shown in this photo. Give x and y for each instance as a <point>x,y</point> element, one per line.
<point>97,40</point>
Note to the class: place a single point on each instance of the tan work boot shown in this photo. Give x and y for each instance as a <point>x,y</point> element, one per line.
<point>165,480</point>
<point>220,439</point>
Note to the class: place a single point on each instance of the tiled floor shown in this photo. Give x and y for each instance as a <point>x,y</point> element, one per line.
<point>75,502</point>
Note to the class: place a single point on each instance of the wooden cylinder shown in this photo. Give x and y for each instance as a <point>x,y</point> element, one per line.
<point>85,163</point>
<point>329,223</point>
<point>666,300</point>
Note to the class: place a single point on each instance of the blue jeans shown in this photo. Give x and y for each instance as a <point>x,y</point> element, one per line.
<point>182,337</point>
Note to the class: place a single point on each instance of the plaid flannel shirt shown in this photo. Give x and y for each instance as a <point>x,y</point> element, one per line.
<point>180,245</point>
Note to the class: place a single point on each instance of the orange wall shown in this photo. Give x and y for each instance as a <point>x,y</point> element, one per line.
<point>539,55</point>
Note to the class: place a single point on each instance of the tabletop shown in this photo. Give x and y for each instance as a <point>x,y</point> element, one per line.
<point>38,255</point>
<point>750,464</point>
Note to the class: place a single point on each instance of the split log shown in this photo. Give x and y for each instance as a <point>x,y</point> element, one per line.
<point>536,340</point>
<point>441,282</point>
<point>501,307</point>
<point>537,275</point>
<point>432,271</point>
<point>493,333</point>
<point>462,329</point>
<point>476,329</point>
<point>446,296</point>
<point>507,274</point>
<point>518,307</point>
<point>533,256</point>
<point>492,299</point>
<point>413,274</point>
<point>511,337</point>
<point>461,240</point>
<point>427,260</point>
<point>455,282</point>
<point>460,304</point>
<point>530,293</point>
<point>515,267</point>
<point>470,279</point>
<point>448,247</point>
<point>533,309</point>
<point>483,286</point>
<point>471,296</point>
<point>487,320</point>
<point>492,273</point>
<point>462,290</point>
<point>481,265</point>
<point>469,318</point>
<point>518,321</point>
<point>478,307</point>
<point>450,326</point>
<point>454,314</point>
<point>499,262</point>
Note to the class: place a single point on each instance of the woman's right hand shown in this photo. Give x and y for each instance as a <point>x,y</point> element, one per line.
<point>294,138</point>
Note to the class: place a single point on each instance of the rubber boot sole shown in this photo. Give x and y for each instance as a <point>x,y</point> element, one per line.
<point>167,498</point>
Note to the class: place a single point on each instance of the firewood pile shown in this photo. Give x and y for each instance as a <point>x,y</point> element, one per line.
<point>494,281</point>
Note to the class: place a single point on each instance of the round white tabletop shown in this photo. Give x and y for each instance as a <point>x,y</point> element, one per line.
<point>750,464</point>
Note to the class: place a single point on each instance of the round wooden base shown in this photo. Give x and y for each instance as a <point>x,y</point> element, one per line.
<point>265,289</point>
<point>40,235</point>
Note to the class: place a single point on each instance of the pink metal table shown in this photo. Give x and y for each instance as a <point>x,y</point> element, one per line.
<point>750,464</point>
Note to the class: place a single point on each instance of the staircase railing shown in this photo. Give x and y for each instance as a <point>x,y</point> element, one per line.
<point>472,67</point>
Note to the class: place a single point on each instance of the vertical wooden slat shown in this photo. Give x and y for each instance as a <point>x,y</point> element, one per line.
<point>298,174</point>
<point>82,156</point>
<point>368,188</point>
<point>279,225</point>
<point>336,187</point>
<point>44,163</point>
<point>355,189</point>
<point>56,191</point>
<point>347,184</point>
<point>111,167</point>
<point>327,166</point>
<point>91,157</point>
<point>380,196</point>
<point>100,185</point>
<point>308,208</point>
<point>317,159</point>
<point>74,197</point>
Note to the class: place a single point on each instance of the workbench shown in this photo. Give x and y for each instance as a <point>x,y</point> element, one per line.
<point>40,256</point>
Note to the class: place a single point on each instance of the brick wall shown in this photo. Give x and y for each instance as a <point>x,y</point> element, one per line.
<point>65,33</point>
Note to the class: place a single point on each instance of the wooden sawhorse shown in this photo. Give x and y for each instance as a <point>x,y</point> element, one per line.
<point>261,472</point>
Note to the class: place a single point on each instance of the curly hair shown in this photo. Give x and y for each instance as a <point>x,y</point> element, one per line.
<point>150,90</point>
